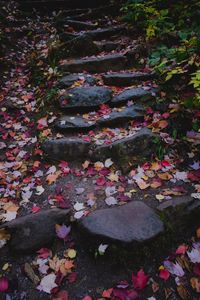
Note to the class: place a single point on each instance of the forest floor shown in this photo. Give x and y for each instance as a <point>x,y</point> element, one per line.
<point>73,147</point>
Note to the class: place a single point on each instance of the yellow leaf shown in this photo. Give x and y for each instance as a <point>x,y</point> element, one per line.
<point>71,253</point>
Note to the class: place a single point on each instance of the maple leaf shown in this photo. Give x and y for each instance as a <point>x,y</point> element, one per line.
<point>62,295</point>
<point>44,253</point>
<point>164,274</point>
<point>111,201</point>
<point>107,293</point>
<point>140,280</point>
<point>47,283</point>
<point>51,178</point>
<point>3,284</point>
<point>194,255</point>
<point>182,249</point>
<point>195,283</point>
<point>174,268</point>
<point>62,231</point>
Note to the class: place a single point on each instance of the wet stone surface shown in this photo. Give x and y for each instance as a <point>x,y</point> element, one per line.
<point>126,79</point>
<point>85,97</point>
<point>68,80</point>
<point>133,222</point>
<point>28,234</point>
<point>102,64</point>
<point>77,122</point>
<point>133,94</point>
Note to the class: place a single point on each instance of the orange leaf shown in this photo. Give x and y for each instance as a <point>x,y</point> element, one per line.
<point>69,264</point>
<point>107,293</point>
<point>51,178</point>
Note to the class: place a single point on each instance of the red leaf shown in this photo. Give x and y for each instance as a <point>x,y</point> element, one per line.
<point>35,209</point>
<point>44,253</point>
<point>87,298</point>
<point>164,274</point>
<point>140,280</point>
<point>62,295</point>
<point>196,269</point>
<point>72,277</point>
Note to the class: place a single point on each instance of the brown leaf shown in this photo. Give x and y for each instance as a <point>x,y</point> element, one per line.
<point>195,283</point>
<point>31,274</point>
<point>183,292</point>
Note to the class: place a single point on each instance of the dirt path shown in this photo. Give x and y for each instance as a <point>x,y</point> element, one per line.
<point>96,181</point>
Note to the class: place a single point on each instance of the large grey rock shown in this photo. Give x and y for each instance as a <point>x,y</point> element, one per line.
<point>77,123</point>
<point>126,79</point>
<point>133,222</point>
<point>85,97</point>
<point>35,231</point>
<point>66,148</point>
<point>68,80</point>
<point>133,94</point>
<point>130,149</point>
<point>114,62</point>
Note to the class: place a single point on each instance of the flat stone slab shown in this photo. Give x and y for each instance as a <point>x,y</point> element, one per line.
<point>133,222</point>
<point>66,148</point>
<point>85,97</point>
<point>126,79</point>
<point>81,44</point>
<point>102,64</point>
<point>104,33</point>
<point>135,148</point>
<point>78,123</point>
<point>78,25</point>
<point>68,80</point>
<point>133,94</point>
<point>74,123</point>
<point>35,231</point>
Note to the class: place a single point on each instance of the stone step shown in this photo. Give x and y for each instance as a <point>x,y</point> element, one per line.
<point>73,148</point>
<point>116,117</point>
<point>48,5</point>
<point>134,222</point>
<point>68,80</point>
<point>78,25</point>
<point>114,62</point>
<point>75,45</point>
<point>97,34</point>
<point>108,46</point>
<point>134,94</point>
<point>81,98</point>
<point>94,14</point>
<point>105,33</point>
<point>131,149</point>
<point>126,78</point>
<point>28,235</point>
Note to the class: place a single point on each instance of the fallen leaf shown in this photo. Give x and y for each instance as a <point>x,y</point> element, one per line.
<point>47,283</point>
<point>3,284</point>
<point>140,280</point>
<point>31,274</point>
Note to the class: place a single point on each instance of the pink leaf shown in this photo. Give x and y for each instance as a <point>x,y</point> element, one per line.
<point>140,280</point>
<point>3,284</point>
<point>181,249</point>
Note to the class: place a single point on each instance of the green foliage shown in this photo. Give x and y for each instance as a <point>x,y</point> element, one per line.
<point>174,26</point>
